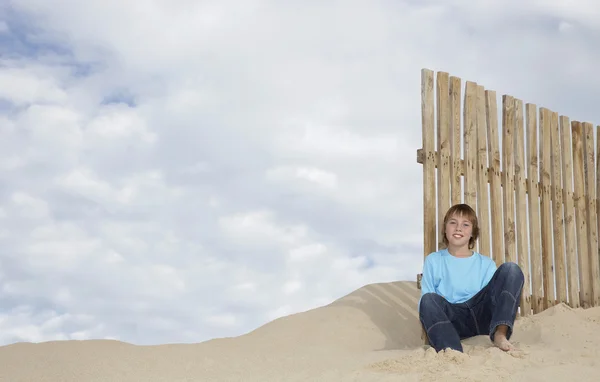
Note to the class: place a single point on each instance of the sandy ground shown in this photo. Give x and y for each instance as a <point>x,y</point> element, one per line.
<point>372,334</point>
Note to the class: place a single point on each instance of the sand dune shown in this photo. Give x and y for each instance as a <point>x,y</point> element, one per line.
<point>372,334</point>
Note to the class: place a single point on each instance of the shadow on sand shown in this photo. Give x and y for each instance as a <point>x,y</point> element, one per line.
<point>392,307</point>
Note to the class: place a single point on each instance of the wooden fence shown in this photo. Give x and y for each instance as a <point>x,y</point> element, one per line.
<point>532,184</point>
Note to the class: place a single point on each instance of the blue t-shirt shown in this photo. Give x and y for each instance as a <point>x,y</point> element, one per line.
<point>457,279</point>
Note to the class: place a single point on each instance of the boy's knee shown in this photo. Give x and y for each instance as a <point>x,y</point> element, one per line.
<point>430,300</point>
<point>512,267</point>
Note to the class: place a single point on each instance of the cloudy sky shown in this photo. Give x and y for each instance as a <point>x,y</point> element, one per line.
<point>175,171</point>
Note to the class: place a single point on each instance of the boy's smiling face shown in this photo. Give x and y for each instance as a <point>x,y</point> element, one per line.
<point>459,230</point>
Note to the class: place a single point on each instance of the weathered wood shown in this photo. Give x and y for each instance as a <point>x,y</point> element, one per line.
<point>521,207</point>
<point>590,192</point>
<point>569,218</point>
<point>429,205</point>
<point>585,286</point>
<point>494,176</point>
<point>482,175</point>
<point>598,192</point>
<point>470,144</point>
<point>443,144</point>
<point>456,171</point>
<point>535,251</point>
<point>557,212</point>
<point>427,116</point>
<point>508,212</point>
<point>546,207</point>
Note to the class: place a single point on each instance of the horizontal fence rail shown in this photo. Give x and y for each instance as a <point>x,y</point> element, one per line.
<point>529,173</point>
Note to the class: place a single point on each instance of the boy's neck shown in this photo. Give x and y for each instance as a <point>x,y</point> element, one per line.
<point>460,251</point>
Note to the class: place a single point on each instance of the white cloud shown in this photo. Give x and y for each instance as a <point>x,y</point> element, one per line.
<point>259,228</point>
<point>191,170</point>
<point>307,252</point>
<point>338,143</point>
<point>20,322</point>
<point>83,182</point>
<point>24,86</point>
<point>119,122</point>
<point>51,128</point>
<point>29,207</point>
<point>223,320</point>
<point>303,175</point>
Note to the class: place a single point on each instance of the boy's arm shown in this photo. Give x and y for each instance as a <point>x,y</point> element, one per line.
<point>427,285</point>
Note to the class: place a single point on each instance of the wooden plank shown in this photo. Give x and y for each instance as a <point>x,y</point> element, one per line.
<point>508,181</point>
<point>569,219</point>
<point>495,176</point>
<point>427,123</point>
<point>598,188</point>
<point>443,148</point>
<point>533,186</point>
<point>546,209</point>
<point>585,286</point>
<point>521,208</point>
<point>557,212</point>
<point>470,144</point>
<point>482,175</point>
<point>456,171</point>
<point>590,191</point>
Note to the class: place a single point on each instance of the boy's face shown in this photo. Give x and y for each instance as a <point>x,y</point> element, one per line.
<point>458,230</point>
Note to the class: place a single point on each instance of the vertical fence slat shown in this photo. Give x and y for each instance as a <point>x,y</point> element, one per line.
<point>590,191</point>
<point>585,289</point>
<point>455,156</point>
<point>546,212</point>
<point>427,122</point>
<point>470,144</point>
<point>598,191</point>
<point>495,180</point>
<point>569,218</point>
<point>557,212</point>
<point>521,207</point>
<point>482,175</point>
<point>443,145</point>
<point>508,179</point>
<point>535,252</point>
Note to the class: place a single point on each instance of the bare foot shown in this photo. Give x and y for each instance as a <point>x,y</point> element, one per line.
<point>501,342</point>
<point>500,339</point>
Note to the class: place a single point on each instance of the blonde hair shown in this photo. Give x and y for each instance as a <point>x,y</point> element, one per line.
<point>466,211</point>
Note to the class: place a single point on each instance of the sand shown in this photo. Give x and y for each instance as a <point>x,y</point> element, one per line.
<point>372,334</point>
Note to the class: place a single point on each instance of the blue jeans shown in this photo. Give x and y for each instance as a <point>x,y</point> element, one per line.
<point>446,324</point>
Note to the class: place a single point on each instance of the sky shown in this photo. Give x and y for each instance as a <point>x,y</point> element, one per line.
<point>177,171</point>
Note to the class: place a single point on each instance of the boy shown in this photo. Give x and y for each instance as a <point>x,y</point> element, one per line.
<point>462,293</point>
